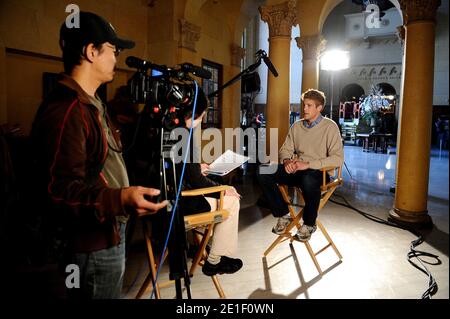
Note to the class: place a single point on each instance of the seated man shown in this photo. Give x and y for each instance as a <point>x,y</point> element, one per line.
<point>312,143</point>
<point>225,238</point>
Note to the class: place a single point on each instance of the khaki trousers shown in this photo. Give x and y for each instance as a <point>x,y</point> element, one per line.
<point>225,237</point>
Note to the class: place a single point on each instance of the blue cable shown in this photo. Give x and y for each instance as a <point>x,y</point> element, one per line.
<point>178,192</point>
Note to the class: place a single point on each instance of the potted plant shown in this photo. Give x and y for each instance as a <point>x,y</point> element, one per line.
<point>372,107</point>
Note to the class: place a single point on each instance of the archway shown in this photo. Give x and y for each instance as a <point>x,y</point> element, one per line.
<point>390,113</point>
<point>352,92</point>
<point>330,5</point>
<point>387,89</point>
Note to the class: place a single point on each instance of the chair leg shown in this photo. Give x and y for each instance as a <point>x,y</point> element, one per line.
<point>296,216</point>
<point>273,245</point>
<point>313,257</point>
<point>151,263</point>
<point>144,286</point>
<point>286,234</point>
<point>201,255</point>
<point>296,222</point>
<point>325,233</point>
<point>218,286</point>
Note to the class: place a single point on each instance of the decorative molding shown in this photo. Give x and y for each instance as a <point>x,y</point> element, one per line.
<point>312,46</point>
<point>419,10</point>
<point>237,54</point>
<point>368,42</point>
<point>374,72</point>
<point>189,34</point>
<point>280,18</point>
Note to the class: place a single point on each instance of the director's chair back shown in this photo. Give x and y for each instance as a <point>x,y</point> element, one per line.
<point>202,226</point>
<point>327,189</point>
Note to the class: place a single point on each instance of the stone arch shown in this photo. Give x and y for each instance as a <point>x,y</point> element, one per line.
<point>387,88</point>
<point>330,5</point>
<point>192,9</point>
<point>352,92</point>
<point>247,11</point>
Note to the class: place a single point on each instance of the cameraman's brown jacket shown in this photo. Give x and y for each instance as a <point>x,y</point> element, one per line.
<point>71,148</point>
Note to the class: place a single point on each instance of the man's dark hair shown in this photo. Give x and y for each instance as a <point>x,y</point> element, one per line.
<point>315,95</point>
<point>73,55</point>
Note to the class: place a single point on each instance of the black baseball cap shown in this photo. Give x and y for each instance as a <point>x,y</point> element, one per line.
<point>92,29</point>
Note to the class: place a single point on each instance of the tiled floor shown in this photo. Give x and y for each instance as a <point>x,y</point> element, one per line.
<point>374,261</point>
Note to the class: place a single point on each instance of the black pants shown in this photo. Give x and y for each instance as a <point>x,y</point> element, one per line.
<point>309,181</point>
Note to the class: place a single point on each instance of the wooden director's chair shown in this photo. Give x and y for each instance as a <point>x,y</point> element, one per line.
<point>327,190</point>
<point>202,226</point>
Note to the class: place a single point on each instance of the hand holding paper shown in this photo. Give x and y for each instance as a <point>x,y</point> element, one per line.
<point>225,163</point>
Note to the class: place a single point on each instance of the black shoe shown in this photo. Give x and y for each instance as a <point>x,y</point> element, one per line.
<point>226,265</point>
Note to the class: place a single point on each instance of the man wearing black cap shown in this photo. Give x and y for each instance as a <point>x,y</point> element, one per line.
<point>83,175</point>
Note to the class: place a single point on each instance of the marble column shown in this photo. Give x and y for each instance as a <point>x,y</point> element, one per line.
<point>280,18</point>
<point>414,130</point>
<point>312,46</point>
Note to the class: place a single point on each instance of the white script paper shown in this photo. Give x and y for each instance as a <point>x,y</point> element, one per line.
<point>226,162</point>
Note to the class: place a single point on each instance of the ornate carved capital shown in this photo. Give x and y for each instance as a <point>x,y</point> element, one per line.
<point>237,53</point>
<point>280,18</point>
<point>311,45</point>
<point>419,10</point>
<point>189,34</point>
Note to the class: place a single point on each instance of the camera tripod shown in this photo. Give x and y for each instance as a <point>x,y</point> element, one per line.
<point>176,244</point>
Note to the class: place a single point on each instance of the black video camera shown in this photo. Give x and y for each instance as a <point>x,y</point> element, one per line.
<point>167,93</point>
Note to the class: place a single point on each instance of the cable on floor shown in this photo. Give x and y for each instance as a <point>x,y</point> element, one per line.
<point>413,252</point>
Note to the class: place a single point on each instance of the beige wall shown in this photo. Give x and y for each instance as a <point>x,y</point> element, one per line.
<point>155,29</point>
<point>33,27</point>
<point>24,86</point>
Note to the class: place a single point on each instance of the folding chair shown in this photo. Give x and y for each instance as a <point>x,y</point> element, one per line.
<point>327,189</point>
<point>202,225</point>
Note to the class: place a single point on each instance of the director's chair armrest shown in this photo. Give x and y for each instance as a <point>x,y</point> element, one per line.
<point>214,217</point>
<point>206,190</point>
<point>333,182</point>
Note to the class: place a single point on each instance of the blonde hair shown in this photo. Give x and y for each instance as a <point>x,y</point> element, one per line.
<point>315,95</point>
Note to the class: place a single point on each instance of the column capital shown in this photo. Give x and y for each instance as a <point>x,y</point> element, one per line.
<point>237,53</point>
<point>280,18</point>
<point>311,45</point>
<point>189,34</point>
<point>419,10</point>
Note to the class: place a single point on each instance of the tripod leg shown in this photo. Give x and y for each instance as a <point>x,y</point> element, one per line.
<point>179,292</point>
<point>188,287</point>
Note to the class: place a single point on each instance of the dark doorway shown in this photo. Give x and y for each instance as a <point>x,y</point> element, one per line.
<point>352,92</point>
<point>387,89</point>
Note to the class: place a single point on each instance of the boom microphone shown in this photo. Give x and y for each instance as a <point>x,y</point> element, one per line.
<point>267,61</point>
<point>270,65</point>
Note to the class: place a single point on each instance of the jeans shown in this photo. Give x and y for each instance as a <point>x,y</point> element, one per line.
<point>101,272</point>
<point>309,181</point>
